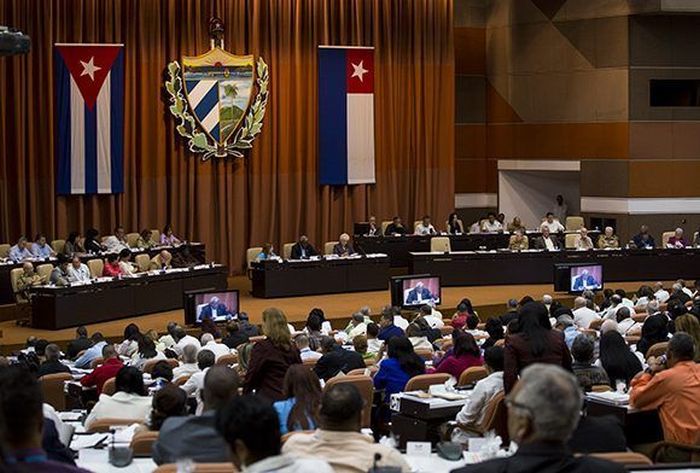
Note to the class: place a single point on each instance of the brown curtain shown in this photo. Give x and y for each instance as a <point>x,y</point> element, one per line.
<point>271,195</point>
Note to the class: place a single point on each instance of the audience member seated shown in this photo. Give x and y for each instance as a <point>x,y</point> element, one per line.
<point>373,229</point>
<point>271,357</point>
<point>41,249</point>
<point>299,409</point>
<point>182,339</point>
<point>248,328</point>
<point>546,241</point>
<point>339,441</point>
<point>145,352</point>
<point>196,437</point>
<point>551,224</point>
<point>306,353</point>
<point>654,330</point>
<point>388,330</point>
<point>21,423</point>
<point>80,343</point>
<point>678,293</point>
<point>268,251</point>
<point>625,324</point>
<point>145,240</point>
<point>395,228</point>
<point>161,261</point>
<point>195,383</point>
<point>161,375</point>
<point>465,354</point>
<point>515,225</point>
<point>125,265</point>
<point>78,271</point>
<point>491,225</point>
<point>518,242</point>
<point>59,274</point>
<point>95,351</point>
<point>643,239</point>
<point>583,241</point>
<point>21,251</point>
<point>302,249</point>
<point>251,428</point>
<point>336,359</point>
<point>534,343</point>
<point>472,413</point>
<point>677,240</point>
<point>112,268</point>
<point>357,326</point>
<point>170,401</point>
<point>343,248</point>
<point>52,363</point>
<point>117,242</point>
<point>219,349</point>
<point>543,411</point>
<point>495,330</point>
<point>583,314</point>
<point>425,227</point>
<point>167,236</point>
<point>359,343</point>
<point>128,402</point>
<point>418,338</point>
<point>565,324</point>
<point>130,343</point>
<point>459,319</point>
<point>511,312</point>
<point>234,335</point>
<point>374,344</point>
<point>314,330</point>
<point>608,239</point>
<point>92,243</point>
<point>401,364</point>
<point>472,325</point>
<point>73,245</point>
<point>454,225</point>
<point>672,385</point>
<point>619,362</point>
<point>188,365</point>
<point>28,279</point>
<point>586,372</point>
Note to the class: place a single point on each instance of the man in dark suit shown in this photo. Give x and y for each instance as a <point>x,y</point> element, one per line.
<point>512,314</point>
<point>303,249</point>
<point>546,241</point>
<point>543,411</point>
<point>52,365</point>
<point>584,281</point>
<point>395,227</point>
<point>214,309</point>
<point>82,342</point>
<point>336,359</point>
<point>420,293</point>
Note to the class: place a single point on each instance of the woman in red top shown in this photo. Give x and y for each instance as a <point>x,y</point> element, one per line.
<point>464,310</point>
<point>466,353</point>
<point>111,268</point>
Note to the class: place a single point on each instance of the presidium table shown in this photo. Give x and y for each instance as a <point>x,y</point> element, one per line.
<point>105,299</point>
<point>476,268</point>
<point>320,275</point>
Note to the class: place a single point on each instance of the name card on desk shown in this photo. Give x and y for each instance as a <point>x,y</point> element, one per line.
<point>418,449</point>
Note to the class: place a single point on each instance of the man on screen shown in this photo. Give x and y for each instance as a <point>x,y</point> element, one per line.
<point>584,280</point>
<point>418,294</point>
<point>214,309</point>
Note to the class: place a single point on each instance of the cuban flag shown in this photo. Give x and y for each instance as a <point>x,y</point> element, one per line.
<point>89,118</point>
<point>346,115</point>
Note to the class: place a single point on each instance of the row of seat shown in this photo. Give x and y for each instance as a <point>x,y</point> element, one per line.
<point>59,245</point>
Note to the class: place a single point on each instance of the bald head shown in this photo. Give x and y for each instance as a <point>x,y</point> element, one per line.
<point>220,385</point>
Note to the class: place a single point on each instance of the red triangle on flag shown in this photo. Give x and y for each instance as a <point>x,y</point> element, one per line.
<point>89,65</point>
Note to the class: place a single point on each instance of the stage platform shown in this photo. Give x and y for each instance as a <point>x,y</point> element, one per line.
<point>487,300</point>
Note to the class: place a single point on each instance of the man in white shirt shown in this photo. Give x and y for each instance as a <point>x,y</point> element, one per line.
<point>374,345</point>
<point>685,288</point>
<point>625,324</point>
<point>491,225</point>
<point>425,227</point>
<point>583,241</point>
<point>188,365</point>
<point>194,385</point>
<point>546,241</point>
<point>339,440</point>
<point>400,322</point>
<point>472,413</point>
<point>78,271</point>
<point>219,349</point>
<point>250,426</point>
<point>117,242</point>
<point>661,294</point>
<point>432,316</point>
<point>583,315</point>
<point>306,353</point>
<point>183,340</point>
<point>357,326</point>
<point>553,225</point>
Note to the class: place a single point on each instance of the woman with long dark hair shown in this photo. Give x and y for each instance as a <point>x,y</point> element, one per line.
<point>401,364</point>
<point>533,343</point>
<point>130,344</point>
<point>495,331</point>
<point>146,351</point>
<point>617,359</point>
<point>654,330</point>
<point>302,390</point>
<point>73,244</point>
<point>455,225</point>
<point>466,353</point>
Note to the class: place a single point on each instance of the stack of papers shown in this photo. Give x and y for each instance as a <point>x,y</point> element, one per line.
<point>613,398</point>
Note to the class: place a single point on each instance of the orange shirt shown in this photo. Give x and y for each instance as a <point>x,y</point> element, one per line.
<point>675,392</point>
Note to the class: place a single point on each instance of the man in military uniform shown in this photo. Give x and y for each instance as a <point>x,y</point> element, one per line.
<point>608,239</point>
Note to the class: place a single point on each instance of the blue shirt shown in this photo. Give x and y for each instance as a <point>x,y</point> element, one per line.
<point>390,377</point>
<point>262,256</point>
<point>18,255</point>
<point>284,408</point>
<point>90,354</point>
<point>41,251</point>
<point>389,332</point>
<point>570,334</point>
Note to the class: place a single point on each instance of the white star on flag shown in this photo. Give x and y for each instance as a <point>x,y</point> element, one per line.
<point>89,68</point>
<point>359,70</point>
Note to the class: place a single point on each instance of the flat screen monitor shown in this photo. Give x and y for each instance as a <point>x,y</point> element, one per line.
<point>415,290</point>
<point>219,306</point>
<point>576,278</point>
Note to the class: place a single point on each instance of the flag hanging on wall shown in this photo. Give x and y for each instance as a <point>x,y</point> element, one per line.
<point>346,115</point>
<point>89,118</point>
